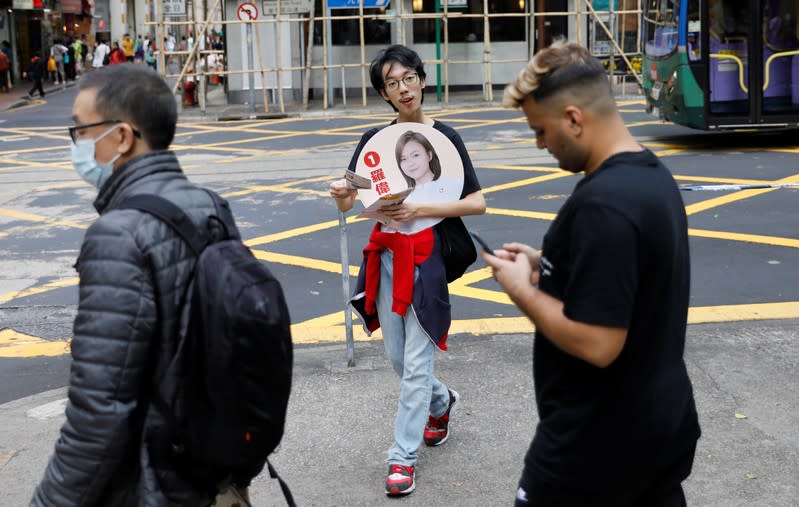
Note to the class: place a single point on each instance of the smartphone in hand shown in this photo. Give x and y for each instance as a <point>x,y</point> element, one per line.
<point>480,241</point>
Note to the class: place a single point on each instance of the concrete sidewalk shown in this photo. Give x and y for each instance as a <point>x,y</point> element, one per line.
<point>340,424</point>
<point>18,95</point>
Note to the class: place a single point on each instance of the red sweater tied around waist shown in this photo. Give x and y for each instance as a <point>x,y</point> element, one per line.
<point>409,251</point>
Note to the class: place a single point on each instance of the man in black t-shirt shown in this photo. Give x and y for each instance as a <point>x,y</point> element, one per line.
<point>608,294</point>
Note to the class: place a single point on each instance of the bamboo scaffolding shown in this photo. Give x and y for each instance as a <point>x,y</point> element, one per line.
<point>363,55</point>
<point>582,10</point>
<point>306,84</point>
<point>261,61</point>
<point>325,77</point>
<point>489,94</point>
<point>193,51</point>
<point>279,60</point>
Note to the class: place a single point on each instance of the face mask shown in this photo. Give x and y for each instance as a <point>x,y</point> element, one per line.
<point>87,166</point>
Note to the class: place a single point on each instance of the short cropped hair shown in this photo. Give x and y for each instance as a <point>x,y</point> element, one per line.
<point>135,94</point>
<point>562,68</point>
<point>410,135</point>
<point>396,53</point>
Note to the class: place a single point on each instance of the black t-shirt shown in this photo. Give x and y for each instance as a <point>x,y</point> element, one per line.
<point>470,183</point>
<point>616,255</point>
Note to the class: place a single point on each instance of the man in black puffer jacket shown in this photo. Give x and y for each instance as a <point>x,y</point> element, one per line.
<point>133,271</point>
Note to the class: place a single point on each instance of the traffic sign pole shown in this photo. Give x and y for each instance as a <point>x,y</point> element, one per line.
<point>249,12</point>
<point>250,67</point>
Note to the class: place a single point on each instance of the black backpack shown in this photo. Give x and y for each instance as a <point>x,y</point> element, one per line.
<point>225,392</point>
<point>457,247</point>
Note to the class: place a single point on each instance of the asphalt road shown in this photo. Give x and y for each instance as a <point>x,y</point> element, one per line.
<point>743,245</point>
<point>740,353</point>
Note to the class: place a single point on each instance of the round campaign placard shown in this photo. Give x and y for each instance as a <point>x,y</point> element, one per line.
<point>409,162</point>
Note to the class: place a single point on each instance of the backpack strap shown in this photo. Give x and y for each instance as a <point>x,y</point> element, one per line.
<point>170,214</point>
<point>283,486</point>
<point>224,215</point>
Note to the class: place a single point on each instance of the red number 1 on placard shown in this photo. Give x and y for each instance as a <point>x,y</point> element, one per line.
<point>371,159</point>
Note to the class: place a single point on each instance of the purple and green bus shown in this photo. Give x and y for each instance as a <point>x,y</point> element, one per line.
<point>722,64</point>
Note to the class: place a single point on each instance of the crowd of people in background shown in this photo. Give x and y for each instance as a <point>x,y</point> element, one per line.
<point>67,59</point>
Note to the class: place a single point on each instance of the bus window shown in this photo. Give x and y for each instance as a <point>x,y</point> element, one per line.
<point>729,48</point>
<point>661,27</point>
<point>779,47</point>
<point>694,33</point>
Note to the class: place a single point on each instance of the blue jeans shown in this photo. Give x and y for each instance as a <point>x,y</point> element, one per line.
<point>412,355</point>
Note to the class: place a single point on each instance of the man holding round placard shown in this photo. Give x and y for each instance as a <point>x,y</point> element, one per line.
<point>402,286</point>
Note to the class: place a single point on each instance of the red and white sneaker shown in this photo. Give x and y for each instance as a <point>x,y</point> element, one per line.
<point>400,480</point>
<point>436,431</point>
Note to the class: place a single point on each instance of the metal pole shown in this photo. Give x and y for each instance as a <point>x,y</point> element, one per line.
<point>279,59</point>
<point>160,43</point>
<point>306,84</point>
<point>345,286</point>
<point>250,68</point>
<point>344,87</point>
<point>438,51</point>
<point>329,45</point>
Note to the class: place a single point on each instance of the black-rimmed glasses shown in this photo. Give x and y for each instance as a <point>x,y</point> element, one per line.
<point>393,84</point>
<point>73,131</point>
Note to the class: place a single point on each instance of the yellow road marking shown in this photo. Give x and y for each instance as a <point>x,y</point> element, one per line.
<point>630,101</point>
<point>32,150</point>
<point>526,182</point>
<point>668,152</point>
<point>540,215</point>
<point>5,457</point>
<point>16,344</point>
<point>726,181</point>
<point>735,196</point>
<point>299,231</point>
<point>30,217</point>
<point>746,238</point>
<point>305,262</point>
<point>33,103</point>
<point>642,123</point>
<point>25,132</point>
<point>32,291</point>
<point>25,164</point>
<point>532,168</point>
<point>330,329</point>
<point>715,202</point>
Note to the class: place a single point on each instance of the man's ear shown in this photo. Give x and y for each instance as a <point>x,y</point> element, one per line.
<point>575,119</point>
<point>384,94</point>
<point>127,138</point>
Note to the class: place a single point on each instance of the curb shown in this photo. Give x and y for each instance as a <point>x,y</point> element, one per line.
<point>48,91</point>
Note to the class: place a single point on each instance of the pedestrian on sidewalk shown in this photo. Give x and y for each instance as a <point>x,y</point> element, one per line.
<point>77,49</point>
<point>128,48</point>
<point>116,56</point>
<point>100,57</point>
<point>37,72</point>
<point>5,47</point>
<point>138,50</point>
<point>69,62</point>
<point>4,69</point>
<point>57,51</point>
<point>425,403</point>
<point>131,267</point>
<point>608,294</point>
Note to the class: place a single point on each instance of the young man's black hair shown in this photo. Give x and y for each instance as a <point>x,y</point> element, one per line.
<point>395,54</point>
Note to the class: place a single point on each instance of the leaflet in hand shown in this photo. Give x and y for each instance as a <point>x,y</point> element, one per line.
<point>388,200</point>
<point>357,181</point>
